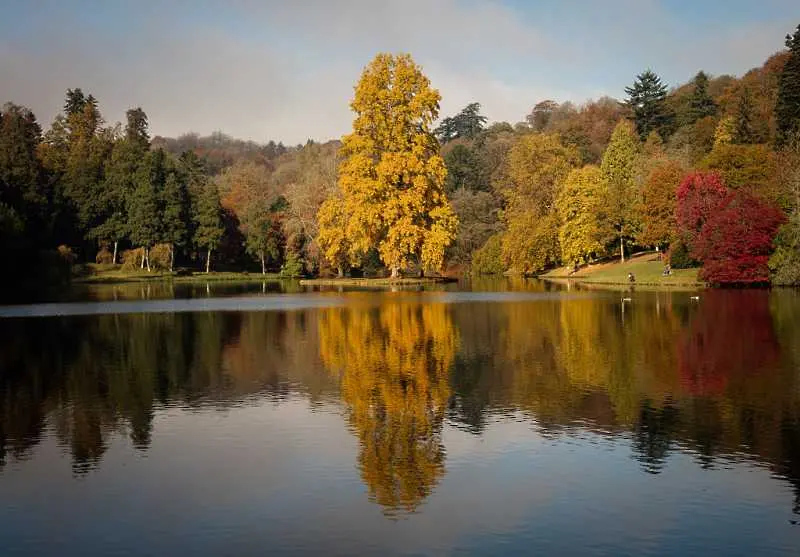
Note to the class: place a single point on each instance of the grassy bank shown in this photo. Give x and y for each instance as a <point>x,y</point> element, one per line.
<point>113,274</point>
<point>647,269</point>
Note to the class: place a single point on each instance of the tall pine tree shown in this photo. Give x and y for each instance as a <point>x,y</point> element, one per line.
<point>787,108</point>
<point>647,102</point>
<point>701,104</point>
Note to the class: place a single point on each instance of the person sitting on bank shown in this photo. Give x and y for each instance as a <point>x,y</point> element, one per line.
<point>631,278</point>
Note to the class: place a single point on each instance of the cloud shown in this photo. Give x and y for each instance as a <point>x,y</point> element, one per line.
<point>286,70</point>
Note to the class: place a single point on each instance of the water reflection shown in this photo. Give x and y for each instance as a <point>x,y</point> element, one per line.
<point>715,378</point>
<point>393,364</point>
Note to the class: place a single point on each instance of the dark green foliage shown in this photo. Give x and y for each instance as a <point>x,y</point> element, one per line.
<point>136,130</point>
<point>745,132</point>
<point>144,224</point>
<point>679,257</point>
<point>700,104</point>
<point>463,170</point>
<point>785,262</point>
<point>468,123</point>
<point>208,217</point>
<point>292,267</point>
<point>787,108</point>
<point>647,103</point>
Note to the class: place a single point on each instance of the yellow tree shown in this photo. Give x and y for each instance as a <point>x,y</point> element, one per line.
<point>537,166</point>
<point>392,174</point>
<point>657,207</point>
<point>619,170</point>
<point>580,211</point>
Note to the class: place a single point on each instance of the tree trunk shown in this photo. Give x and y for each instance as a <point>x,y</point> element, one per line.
<point>147,257</point>
<point>114,257</point>
<point>263,266</point>
<point>142,265</point>
<point>395,272</point>
<point>621,249</point>
<point>208,261</point>
<point>171,257</point>
<point>340,271</point>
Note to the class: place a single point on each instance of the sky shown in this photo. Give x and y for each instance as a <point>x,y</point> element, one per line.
<point>285,70</point>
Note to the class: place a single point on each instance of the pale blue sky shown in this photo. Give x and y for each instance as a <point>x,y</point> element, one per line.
<point>285,70</point>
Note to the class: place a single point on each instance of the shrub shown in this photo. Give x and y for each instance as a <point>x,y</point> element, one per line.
<point>292,266</point>
<point>159,257</point>
<point>488,259</point>
<point>104,256</point>
<point>679,257</point>
<point>785,262</point>
<point>66,253</point>
<point>132,259</point>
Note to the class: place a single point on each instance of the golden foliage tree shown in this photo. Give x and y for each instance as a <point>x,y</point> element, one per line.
<point>537,166</point>
<point>580,211</point>
<point>619,170</point>
<point>393,365</point>
<point>392,174</point>
<point>657,207</point>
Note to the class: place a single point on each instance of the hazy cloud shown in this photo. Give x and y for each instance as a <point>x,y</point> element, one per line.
<point>285,70</point>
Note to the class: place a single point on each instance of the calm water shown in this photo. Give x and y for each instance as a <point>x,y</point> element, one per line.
<point>248,420</point>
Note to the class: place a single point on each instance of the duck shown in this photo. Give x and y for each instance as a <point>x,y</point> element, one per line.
<point>694,298</point>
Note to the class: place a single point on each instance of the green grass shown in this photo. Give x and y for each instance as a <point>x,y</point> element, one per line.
<point>646,268</point>
<point>111,274</point>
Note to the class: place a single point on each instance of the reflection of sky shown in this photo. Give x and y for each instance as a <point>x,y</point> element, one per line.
<point>277,478</point>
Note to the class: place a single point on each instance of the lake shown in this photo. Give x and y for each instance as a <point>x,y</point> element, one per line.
<point>475,419</point>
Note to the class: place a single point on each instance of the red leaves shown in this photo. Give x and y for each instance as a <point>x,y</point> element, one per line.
<point>731,232</point>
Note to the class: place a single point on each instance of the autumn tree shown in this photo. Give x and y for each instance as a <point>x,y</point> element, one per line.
<point>392,175</point>
<point>787,108</point>
<point>658,201</point>
<point>750,167</point>
<point>647,103</point>
<point>537,166</point>
<point>698,197</point>
<point>580,210</point>
<point>735,242</point>
<point>618,169</point>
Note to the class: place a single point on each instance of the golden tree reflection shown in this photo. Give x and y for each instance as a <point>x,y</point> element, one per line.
<point>393,363</point>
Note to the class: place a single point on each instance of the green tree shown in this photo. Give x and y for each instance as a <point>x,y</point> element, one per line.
<point>701,104</point>
<point>787,108</point>
<point>618,169</point>
<point>745,133</point>
<point>208,220</point>
<point>144,206</point>
<point>647,103</point>
<point>463,170</point>
<point>175,208</point>
<point>468,123</point>
<point>392,175</point>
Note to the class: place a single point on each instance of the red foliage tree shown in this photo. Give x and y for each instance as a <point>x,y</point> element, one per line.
<point>698,197</point>
<point>736,240</point>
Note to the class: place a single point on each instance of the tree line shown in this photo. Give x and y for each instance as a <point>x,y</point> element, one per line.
<point>708,172</point>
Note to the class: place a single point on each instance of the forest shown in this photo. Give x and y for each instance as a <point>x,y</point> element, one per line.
<point>707,172</point>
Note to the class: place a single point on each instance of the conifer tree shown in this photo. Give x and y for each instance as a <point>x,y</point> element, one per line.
<point>208,220</point>
<point>647,102</point>
<point>745,134</point>
<point>701,104</point>
<point>787,108</point>
<point>175,204</point>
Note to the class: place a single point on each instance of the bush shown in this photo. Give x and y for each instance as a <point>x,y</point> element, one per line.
<point>679,257</point>
<point>785,261</point>
<point>104,256</point>
<point>132,259</point>
<point>159,257</point>
<point>66,254</point>
<point>292,267</point>
<point>488,259</point>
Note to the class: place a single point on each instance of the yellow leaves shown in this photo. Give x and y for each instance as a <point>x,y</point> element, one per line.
<point>392,175</point>
<point>579,205</point>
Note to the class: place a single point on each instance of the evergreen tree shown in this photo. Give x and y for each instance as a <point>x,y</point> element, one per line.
<point>647,102</point>
<point>136,129</point>
<point>175,204</point>
<point>787,108</point>
<point>208,220</point>
<point>74,102</point>
<point>144,211</point>
<point>463,170</point>
<point>745,134</point>
<point>468,123</point>
<point>701,104</point>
